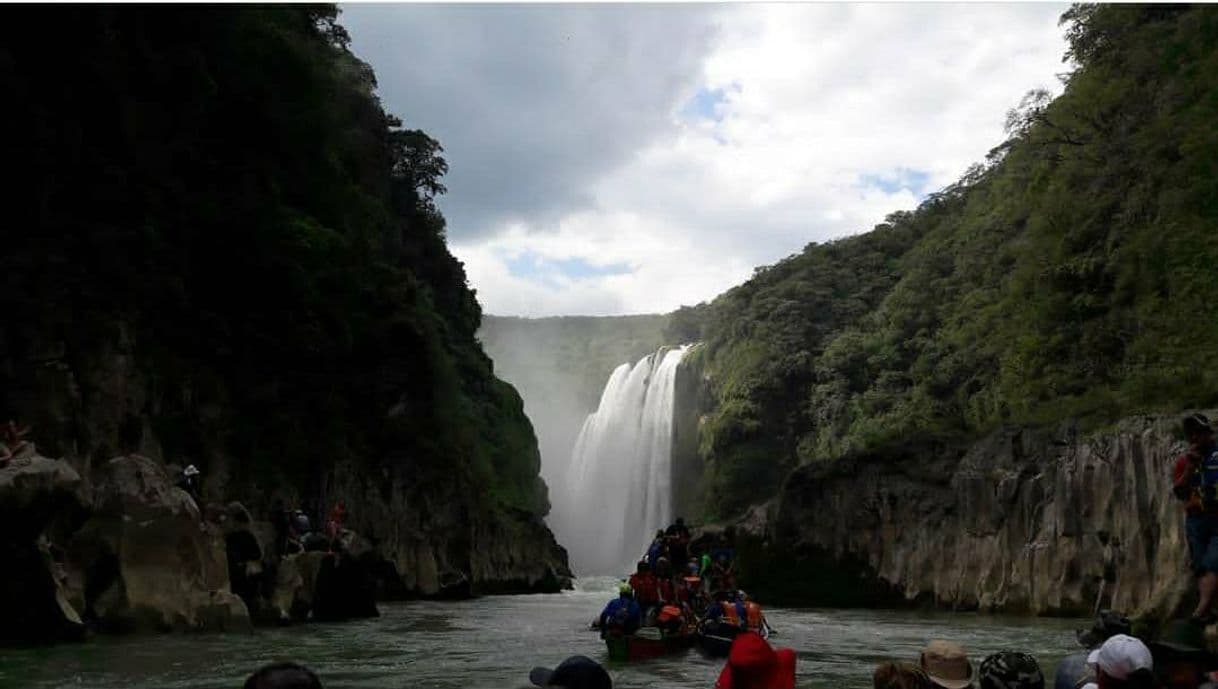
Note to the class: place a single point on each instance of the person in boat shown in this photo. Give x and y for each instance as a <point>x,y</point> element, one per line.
<point>666,582</point>
<point>754,664</point>
<point>723,574</point>
<point>622,615</point>
<point>754,618</point>
<point>946,664</point>
<point>1010,670</point>
<point>576,672</point>
<point>678,539</point>
<point>646,589</point>
<point>658,548</point>
<point>1195,483</point>
<point>283,676</point>
<point>727,609</point>
<point>671,619</point>
<point>899,676</point>
<point>1122,662</point>
<point>689,592</point>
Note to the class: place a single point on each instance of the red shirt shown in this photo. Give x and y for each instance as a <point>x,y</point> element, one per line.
<point>1182,478</point>
<point>646,588</point>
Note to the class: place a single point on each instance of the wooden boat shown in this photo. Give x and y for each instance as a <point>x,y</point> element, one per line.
<point>646,643</point>
<point>715,640</point>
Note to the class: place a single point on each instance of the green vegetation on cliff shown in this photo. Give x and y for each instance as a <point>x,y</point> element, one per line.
<point>234,253</point>
<point>1070,275</point>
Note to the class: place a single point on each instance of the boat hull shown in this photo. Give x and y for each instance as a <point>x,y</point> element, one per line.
<point>628,648</point>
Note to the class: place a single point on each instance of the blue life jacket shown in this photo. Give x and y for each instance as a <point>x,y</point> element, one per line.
<point>621,612</point>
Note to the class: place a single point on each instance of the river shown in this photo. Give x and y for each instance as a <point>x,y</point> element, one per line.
<point>494,642</point>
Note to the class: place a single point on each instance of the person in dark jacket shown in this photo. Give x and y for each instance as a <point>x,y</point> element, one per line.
<point>622,615</point>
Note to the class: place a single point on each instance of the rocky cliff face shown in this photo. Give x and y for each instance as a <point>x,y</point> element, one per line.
<point>443,539</point>
<point>1042,522</point>
<point>444,536</point>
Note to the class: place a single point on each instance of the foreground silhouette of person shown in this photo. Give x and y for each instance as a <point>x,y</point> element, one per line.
<point>283,676</point>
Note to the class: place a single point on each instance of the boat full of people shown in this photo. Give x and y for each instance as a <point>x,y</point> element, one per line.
<point>663,609</point>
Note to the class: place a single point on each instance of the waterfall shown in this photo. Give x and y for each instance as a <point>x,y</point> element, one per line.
<point>618,487</point>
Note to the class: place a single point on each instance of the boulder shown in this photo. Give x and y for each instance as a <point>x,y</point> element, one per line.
<point>39,497</point>
<point>149,562</point>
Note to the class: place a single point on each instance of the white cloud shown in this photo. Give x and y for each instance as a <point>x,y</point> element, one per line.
<point>819,102</point>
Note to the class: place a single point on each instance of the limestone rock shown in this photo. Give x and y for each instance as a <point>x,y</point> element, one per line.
<point>1043,522</point>
<point>37,496</point>
<point>150,563</point>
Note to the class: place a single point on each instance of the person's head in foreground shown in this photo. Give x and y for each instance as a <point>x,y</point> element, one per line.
<point>1180,655</point>
<point>1010,670</point>
<point>283,676</point>
<point>1123,662</point>
<point>899,676</point>
<point>753,664</point>
<point>576,672</point>
<point>946,664</point>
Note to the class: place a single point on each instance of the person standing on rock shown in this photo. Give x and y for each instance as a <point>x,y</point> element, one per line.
<point>189,482</point>
<point>1195,481</point>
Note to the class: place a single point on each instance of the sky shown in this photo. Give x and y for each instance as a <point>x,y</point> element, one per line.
<point>618,159</point>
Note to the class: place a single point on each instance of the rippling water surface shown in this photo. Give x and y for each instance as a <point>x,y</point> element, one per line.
<point>494,642</point>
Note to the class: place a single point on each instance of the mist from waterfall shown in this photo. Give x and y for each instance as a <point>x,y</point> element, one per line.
<point>617,490</point>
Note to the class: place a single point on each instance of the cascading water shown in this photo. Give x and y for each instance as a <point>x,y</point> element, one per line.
<point>618,487</point>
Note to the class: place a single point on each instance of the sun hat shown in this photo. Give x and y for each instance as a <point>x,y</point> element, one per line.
<point>754,664</point>
<point>946,664</point>
<point>1121,656</point>
<point>1180,638</point>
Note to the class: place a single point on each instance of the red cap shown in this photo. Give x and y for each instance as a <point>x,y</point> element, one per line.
<point>752,664</point>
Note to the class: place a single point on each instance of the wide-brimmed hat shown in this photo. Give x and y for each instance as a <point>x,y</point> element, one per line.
<point>946,664</point>
<point>576,672</point>
<point>1180,638</point>
<point>754,664</point>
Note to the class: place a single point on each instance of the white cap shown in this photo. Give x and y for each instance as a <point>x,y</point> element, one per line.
<point>1121,656</point>
<point>191,470</point>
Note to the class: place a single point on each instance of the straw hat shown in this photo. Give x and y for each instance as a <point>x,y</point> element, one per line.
<point>947,665</point>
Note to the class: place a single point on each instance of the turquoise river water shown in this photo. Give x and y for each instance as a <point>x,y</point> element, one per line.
<point>494,642</point>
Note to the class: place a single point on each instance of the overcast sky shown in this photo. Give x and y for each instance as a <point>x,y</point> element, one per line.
<point>630,159</point>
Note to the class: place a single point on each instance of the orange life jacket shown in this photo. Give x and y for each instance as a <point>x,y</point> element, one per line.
<point>668,613</point>
<point>752,612</point>
<point>729,613</point>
